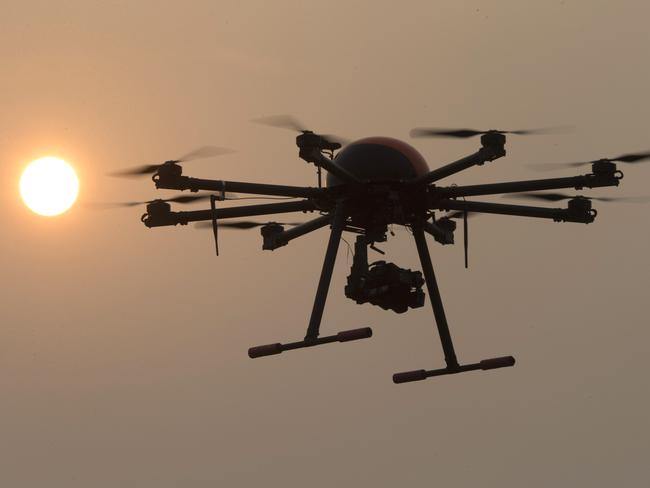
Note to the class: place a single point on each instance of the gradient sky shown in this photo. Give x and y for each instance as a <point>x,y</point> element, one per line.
<point>123,349</point>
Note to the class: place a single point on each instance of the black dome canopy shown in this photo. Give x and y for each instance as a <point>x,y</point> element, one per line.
<point>380,159</point>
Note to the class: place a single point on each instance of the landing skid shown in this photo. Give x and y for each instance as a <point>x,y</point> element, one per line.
<point>443,328</point>
<point>277,348</point>
<point>422,374</point>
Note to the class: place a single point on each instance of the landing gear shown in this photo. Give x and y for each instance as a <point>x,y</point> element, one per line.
<point>443,328</point>
<point>401,289</point>
<point>313,329</point>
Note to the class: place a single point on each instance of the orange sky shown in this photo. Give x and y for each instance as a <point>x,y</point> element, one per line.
<point>123,350</point>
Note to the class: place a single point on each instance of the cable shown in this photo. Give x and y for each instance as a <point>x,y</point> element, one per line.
<point>349,250</point>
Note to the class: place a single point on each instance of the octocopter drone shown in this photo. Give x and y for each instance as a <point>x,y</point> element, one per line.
<point>371,184</point>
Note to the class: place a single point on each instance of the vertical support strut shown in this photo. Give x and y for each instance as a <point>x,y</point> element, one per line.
<point>326,274</point>
<point>434,296</point>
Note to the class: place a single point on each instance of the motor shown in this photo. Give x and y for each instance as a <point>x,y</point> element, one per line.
<point>310,144</point>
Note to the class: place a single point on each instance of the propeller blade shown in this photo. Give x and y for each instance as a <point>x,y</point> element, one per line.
<point>182,199</point>
<point>105,205</point>
<point>282,122</point>
<point>630,158</point>
<point>240,224</point>
<point>621,199</point>
<point>458,133</point>
<point>548,197</point>
<point>465,133</point>
<point>289,122</point>
<point>199,197</point>
<point>645,199</point>
<point>137,171</point>
<point>188,198</point>
<point>553,166</point>
<point>540,131</point>
<point>204,152</point>
<point>556,197</point>
<point>198,153</point>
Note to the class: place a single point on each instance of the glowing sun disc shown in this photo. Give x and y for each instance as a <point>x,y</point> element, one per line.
<point>49,186</point>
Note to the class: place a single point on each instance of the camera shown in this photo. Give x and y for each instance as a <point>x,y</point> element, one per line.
<point>387,286</point>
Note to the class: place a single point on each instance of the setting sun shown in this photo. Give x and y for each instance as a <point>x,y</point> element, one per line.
<point>49,186</point>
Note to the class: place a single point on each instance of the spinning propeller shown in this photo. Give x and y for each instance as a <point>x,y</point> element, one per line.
<point>184,199</point>
<point>631,158</point>
<point>556,197</point>
<point>241,224</point>
<point>465,133</point>
<point>199,153</point>
<point>238,224</point>
<point>291,123</point>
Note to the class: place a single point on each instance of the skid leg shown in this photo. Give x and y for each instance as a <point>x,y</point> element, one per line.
<point>312,338</point>
<point>326,274</point>
<point>443,329</point>
<point>434,297</point>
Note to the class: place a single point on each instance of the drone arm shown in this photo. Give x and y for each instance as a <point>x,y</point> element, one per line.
<point>557,214</point>
<point>331,167</point>
<point>275,240</point>
<point>577,182</point>
<point>196,184</point>
<point>175,218</point>
<point>493,148</point>
<point>481,156</point>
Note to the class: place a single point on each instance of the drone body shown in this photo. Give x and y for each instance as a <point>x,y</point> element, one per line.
<point>373,183</point>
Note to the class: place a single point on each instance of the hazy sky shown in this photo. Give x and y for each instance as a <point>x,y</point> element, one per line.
<point>123,350</point>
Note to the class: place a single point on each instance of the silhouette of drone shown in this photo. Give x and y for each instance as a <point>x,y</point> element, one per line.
<point>371,184</point>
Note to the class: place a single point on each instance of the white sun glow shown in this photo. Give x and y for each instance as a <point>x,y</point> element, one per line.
<point>49,186</point>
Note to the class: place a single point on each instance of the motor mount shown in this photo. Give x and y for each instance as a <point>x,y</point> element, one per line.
<point>579,210</point>
<point>447,224</point>
<point>310,144</point>
<point>270,233</point>
<point>158,213</point>
<point>495,141</point>
<point>167,172</point>
<point>603,167</point>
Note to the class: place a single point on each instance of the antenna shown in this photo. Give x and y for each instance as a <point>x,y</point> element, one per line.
<point>213,207</point>
<point>465,238</point>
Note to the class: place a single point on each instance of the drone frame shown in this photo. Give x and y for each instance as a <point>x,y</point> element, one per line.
<point>334,205</point>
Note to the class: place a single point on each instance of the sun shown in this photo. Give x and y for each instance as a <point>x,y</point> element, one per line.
<point>49,186</point>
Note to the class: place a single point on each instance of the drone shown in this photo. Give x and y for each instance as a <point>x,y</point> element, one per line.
<point>371,185</point>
